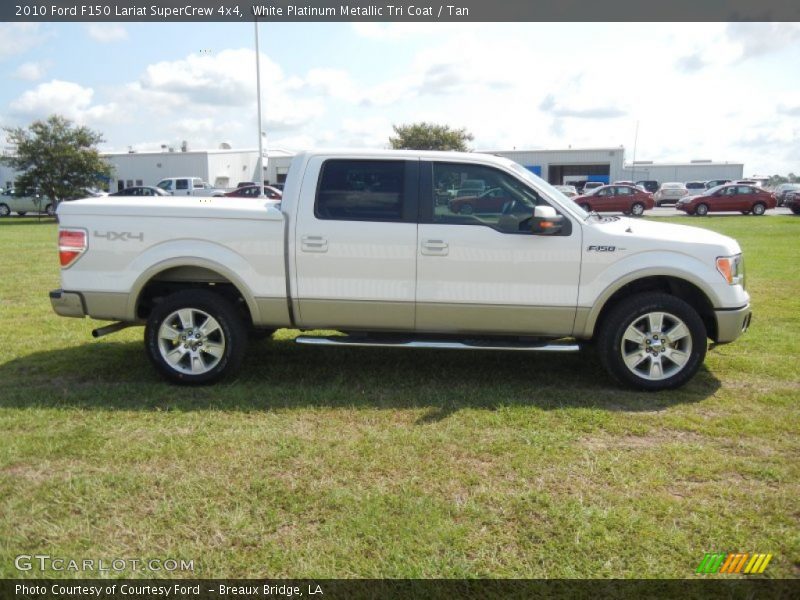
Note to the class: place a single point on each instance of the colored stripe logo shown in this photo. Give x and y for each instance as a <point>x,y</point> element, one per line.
<point>733,562</point>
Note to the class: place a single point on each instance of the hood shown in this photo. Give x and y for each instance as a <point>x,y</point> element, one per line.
<point>666,233</point>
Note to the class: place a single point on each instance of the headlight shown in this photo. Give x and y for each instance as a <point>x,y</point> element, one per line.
<point>732,269</point>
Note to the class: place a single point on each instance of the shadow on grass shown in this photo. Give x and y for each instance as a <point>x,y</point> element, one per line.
<point>279,374</point>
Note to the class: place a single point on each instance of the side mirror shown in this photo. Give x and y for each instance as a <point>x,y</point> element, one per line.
<point>546,221</point>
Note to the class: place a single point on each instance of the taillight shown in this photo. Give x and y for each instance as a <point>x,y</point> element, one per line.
<point>71,244</point>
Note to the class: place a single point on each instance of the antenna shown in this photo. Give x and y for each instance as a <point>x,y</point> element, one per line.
<point>633,162</point>
<point>260,166</point>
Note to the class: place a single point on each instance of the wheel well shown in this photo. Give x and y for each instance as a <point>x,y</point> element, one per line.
<point>177,279</point>
<point>674,286</point>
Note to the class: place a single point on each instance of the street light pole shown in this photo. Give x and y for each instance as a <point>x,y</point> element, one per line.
<point>260,134</point>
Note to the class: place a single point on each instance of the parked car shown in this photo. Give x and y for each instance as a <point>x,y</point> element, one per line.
<point>693,188</point>
<point>628,199</point>
<point>188,186</point>
<point>592,185</point>
<point>12,201</point>
<point>792,202</point>
<point>253,191</point>
<point>141,190</point>
<point>731,197</point>
<point>783,190</point>
<point>568,190</point>
<point>716,182</point>
<point>650,185</point>
<point>368,254</point>
<point>669,193</point>
<point>471,187</point>
<point>242,184</point>
<point>491,201</point>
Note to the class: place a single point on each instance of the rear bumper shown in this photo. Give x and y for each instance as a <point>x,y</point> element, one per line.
<point>732,323</point>
<point>67,304</point>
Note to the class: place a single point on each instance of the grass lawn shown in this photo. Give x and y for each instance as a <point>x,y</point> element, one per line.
<point>388,463</point>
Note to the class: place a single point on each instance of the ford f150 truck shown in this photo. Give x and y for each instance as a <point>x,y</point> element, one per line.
<point>359,245</point>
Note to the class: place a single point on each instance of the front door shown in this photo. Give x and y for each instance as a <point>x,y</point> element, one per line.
<point>355,244</point>
<point>485,272</point>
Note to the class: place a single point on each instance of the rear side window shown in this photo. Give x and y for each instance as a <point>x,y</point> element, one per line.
<point>361,190</point>
<point>182,184</point>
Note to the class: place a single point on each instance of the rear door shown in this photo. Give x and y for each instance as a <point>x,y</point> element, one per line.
<point>183,187</point>
<point>355,244</point>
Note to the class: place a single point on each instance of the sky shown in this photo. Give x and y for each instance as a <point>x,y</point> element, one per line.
<point>720,91</point>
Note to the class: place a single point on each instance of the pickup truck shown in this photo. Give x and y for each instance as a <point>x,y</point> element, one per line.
<point>188,186</point>
<point>358,245</point>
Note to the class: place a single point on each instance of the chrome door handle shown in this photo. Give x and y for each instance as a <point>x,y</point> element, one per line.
<point>314,243</point>
<point>435,248</point>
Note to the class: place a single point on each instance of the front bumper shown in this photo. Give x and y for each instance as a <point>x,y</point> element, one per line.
<point>732,323</point>
<point>67,304</point>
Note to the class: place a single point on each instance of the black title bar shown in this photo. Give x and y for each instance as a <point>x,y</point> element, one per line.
<point>398,10</point>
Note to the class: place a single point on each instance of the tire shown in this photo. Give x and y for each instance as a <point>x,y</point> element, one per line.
<point>211,321</point>
<point>4,210</point>
<point>701,210</point>
<point>759,209</point>
<point>50,210</point>
<point>586,207</point>
<point>22,213</point>
<point>745,212</point>
<point>637,209</point>
<point>796,210</point>
<point>466,209</point>
<point>629,347</point>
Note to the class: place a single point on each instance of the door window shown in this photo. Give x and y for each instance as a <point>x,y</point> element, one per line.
<point>504,203</point>
<point>361,190</point>
<point>182,184</point>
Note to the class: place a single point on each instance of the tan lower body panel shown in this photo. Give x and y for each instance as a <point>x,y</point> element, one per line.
<point>273,312</point>
<point>356,315</point>
<point>495,319</point>
<point>106,306</point>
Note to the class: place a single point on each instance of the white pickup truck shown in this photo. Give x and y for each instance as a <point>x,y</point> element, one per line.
<point>359,245</point>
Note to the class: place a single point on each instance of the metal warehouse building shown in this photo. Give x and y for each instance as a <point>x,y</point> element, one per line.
<point>222,168</point>
<point>696,170</point>
<point>565,166</point>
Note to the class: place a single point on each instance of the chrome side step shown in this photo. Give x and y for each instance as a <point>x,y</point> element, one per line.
<point>437,344</point>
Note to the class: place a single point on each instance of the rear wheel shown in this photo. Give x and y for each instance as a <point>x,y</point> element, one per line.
<point>759,209</point>
<point>637,209</point>
<point>701,210</point>
<point>466,209</point>
<point>195,337</point>
<point>652,341</point>
<point>50,210</point>
<point>4,210</point>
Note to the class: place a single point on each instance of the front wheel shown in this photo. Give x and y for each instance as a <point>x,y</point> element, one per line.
<point>759,209</point>
<point>701,210</point>
<point>637,210</point>
<point>466,209</point>
<point>652,341</point>
<point>4,210</point>
<point>195,337</point>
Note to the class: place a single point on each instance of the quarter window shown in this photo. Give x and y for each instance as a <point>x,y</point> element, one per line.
<point>361,190</point>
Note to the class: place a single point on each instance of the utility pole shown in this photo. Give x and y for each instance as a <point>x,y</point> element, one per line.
<point>260,167</point>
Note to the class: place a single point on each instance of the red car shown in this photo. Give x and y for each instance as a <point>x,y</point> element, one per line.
<point>490,201</point>
<point>628,199</point>
<point>252,191</point>
<point>735,197</point>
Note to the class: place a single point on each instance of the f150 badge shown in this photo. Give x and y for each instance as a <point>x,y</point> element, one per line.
<point>124,236</point>
<point>603,249</point>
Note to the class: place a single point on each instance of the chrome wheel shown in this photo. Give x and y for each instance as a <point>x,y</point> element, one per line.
<point>758,209</point>
<point>701,210</point>
<point>637,210</point>
<point>4,210</point>
<point>191,341</point>
<point>656,346</point>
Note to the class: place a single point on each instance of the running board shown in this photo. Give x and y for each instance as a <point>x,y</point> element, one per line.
<point>437,344</point>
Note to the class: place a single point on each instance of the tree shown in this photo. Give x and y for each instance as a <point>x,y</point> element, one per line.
<point>57,157</point>
<point>429,136</point>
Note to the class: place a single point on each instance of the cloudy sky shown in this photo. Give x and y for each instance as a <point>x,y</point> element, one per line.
<point>698,91</point>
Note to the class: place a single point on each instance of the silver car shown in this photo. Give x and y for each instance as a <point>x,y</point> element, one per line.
<point>22,204</point>
<point>670,193</point>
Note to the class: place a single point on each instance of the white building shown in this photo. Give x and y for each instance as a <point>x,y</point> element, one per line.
<point>222,168</point>
<point>570,165</point>
<point>695,170</point>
